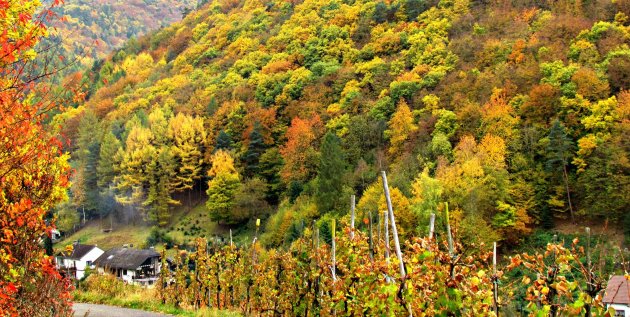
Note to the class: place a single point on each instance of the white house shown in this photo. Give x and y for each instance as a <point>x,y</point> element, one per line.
<point>133,266</point>
<point>75,263</point>
<point>55,235</point>
<point>618,295</point>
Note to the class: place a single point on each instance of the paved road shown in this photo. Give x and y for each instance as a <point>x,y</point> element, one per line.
<point>110,311</point>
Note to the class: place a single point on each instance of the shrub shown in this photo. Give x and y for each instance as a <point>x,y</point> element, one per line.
<point>105,284</point>
<point>158,236</point>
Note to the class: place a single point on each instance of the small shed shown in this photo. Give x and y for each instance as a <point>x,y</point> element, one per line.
<point>134,266</point>
<point>617,295</point>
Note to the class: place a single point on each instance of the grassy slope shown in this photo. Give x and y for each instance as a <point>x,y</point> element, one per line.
<point>188,225</point>
<point>122,234</point>
<point>184,228</point>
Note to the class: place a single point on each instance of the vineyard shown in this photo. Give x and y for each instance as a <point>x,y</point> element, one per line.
<point>354,275</point>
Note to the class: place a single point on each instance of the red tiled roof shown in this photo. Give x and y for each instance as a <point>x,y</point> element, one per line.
<point>617,291</point>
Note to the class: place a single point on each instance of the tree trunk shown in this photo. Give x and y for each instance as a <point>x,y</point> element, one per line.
<point>566,185</point>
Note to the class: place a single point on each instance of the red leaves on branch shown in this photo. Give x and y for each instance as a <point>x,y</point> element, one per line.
<point>33,174</point>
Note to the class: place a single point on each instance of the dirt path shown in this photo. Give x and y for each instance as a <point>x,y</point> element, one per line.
<point>94,310</point>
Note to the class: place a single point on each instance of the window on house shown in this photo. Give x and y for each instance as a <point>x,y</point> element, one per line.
<point>89,263</point>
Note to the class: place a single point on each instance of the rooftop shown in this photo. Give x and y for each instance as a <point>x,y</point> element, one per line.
<point>617,291</point>
<point>78,251</point>
<point>124,258</point>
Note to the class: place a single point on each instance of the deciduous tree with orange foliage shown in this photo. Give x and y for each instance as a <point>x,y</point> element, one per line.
<point>33,173</point>
<point>299,152</point>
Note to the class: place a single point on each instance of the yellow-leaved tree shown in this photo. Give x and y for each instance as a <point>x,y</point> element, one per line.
<point>222,187</point>
<point>401,126</point>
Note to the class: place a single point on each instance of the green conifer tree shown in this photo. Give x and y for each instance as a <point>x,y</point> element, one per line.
<point>105,168</point>
<point>558,155</point>
<point>331,170</point>
<point>224,141</point>
<point>85,190</point>
<point>256,148</point>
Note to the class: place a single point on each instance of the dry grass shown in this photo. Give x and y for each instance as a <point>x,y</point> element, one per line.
<point>612,233</point>
<point>106,289</point>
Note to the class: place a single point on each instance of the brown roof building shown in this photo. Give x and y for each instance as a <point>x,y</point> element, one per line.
<point>618,295</point>
<point>131,265</point>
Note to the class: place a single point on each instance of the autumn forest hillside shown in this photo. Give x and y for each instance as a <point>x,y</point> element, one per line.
<point>515,113</point>
<point>88,30</point>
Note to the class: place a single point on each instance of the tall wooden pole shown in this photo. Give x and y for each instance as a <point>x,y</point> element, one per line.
<point>431,226</point>
<point>334,260</point>
<point>316,238</point>
<point>495,279</point>
<point>378,228</point>
<point>589,270</point>
<point>254,243</point>
<point>313,235</point>
<point>352,204</point>
<point>390,209</point>
<point>386,227</point>
<point>451,248</point>
<point>371,236</point>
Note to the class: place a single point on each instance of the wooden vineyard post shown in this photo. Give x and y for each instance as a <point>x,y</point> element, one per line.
<point>334,260</point>
<point>451,248</point>
<point>313,235</point>
<point>392,219</point>
<point>386,229</point>
<point>231,244</point>
<point>431,226</point>
<point>254,242</point>
<point>588,248</point>
<point>371,236</point>
<point>390,210</point>
<point>254,272</point>
<point>352,205</point>
<point>589,270</point>
<point>495,279</point>
<point>317,238</point>
<point>378,228</point>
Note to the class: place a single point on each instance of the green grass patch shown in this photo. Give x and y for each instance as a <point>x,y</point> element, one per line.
<point>186,226</point>
<point>92,233</point>
<point>193,224</point>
